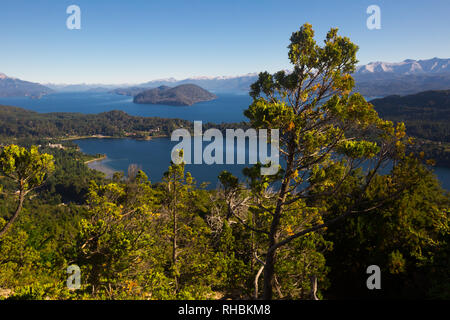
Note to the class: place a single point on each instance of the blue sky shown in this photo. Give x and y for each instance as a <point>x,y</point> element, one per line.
<point>139,40</point>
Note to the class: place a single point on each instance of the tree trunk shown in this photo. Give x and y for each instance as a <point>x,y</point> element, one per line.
<point>256,282</point>
<point>174,252</point>
<point>16,214</point>
<point>314,288</point>
<point>174,240</point>
<point>269,269</point>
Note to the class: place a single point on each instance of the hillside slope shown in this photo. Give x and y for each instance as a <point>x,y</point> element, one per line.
<point>12,87</point>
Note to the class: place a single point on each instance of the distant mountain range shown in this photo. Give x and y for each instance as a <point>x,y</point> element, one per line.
<point>407,77</point>
<point>407,67</point>
<point>13,87</point>
<point>82,87</point>
<point>376,79</point>
<point>214,84</point>
<point>182,95</point>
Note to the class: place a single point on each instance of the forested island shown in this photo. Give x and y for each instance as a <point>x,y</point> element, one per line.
<point>182,95</point>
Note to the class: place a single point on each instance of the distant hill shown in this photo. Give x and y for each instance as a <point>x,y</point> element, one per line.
<point>426,114</point>
<point>13,87</point>
<point>82,87</point>
<point>426,106</point>
<point>98,90</point>
<point>373,86</point>
<point>221,84</point>
<point>131,91</point>
<point>18,123</point>
<point>182,95</point>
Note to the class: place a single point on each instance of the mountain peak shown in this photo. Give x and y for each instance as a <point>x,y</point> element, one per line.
<point>408,66</point>
<point>13,87</point>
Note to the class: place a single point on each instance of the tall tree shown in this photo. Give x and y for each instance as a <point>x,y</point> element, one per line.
<point>110,241</point>
<point>177,185</point>
<point>28,169</point>
<point>326,134</point>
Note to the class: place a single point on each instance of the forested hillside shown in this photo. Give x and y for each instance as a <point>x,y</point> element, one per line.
<point>20,123</point>
<point>427,118</point>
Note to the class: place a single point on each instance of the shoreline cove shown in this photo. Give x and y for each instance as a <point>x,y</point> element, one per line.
<point>99,165</point>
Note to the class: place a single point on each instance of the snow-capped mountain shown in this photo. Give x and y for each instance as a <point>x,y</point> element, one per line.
<point>408,66</point>
<point>399,78</point>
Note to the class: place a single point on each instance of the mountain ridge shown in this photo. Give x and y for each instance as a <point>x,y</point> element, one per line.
<point>408,66</point>
<point>375,79</point>
<point>14,87</point>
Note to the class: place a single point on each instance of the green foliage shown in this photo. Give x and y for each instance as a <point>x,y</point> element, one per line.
<point>28,168</point>
<point>327,134</point>
<point>109,241</point>
<point>407,238</point>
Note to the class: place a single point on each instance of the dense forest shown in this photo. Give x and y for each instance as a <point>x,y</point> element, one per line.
<point>309,231</point>
<point>426,116</point>
<point>20,123</point>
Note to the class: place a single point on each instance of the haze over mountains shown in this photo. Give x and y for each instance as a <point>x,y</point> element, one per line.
<point>13,87</point>
<point>376,79</point>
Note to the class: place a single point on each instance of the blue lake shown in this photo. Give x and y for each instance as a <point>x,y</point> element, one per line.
<point>227,108</point>
<point>153,156</point>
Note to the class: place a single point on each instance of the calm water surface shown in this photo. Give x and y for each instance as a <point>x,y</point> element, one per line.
<point>153,156</point>
<point>227,108</point>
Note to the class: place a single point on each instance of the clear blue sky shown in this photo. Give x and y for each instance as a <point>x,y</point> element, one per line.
<point>139,40</point>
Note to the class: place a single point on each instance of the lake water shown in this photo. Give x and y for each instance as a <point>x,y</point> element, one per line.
<point>153,156</point>
<point>227,108</point>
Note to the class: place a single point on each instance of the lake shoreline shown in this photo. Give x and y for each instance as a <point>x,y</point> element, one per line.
<point>99,165</point>
<point>99,136</point>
